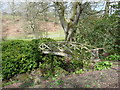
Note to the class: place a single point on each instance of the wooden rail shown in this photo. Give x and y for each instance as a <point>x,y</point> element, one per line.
<point>67,49</point>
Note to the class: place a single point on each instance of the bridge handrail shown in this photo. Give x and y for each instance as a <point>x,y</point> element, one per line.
<point>70,43</point>
<point>49,47</point>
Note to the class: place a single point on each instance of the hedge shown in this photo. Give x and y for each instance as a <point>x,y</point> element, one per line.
<point>20,56</point>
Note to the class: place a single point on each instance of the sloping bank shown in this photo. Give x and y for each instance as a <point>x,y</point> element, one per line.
<point>95,79</point>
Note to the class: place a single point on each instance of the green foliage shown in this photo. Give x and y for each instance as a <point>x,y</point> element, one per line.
<point>48,64</point>
<point>81,58</point>
<point>43,40</point>
<point>87,86</point>
<point>37,42</point>
<point>76,64</point>
<point>58,66</point>
<point>23,56</point>
<point>100,31</point>
<point>9,83</point>
<point>103,65</point>
<point>18,57</point>
<point>59,82</point>
<point>114,57</point>
<point>79,71</point>
<point>26,84</point>
<point>97,31</point>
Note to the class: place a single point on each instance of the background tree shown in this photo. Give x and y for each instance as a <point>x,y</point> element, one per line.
<point>101,31</point>
<point>35,11</point>
<point>12,7</point>
<point>107,7</point>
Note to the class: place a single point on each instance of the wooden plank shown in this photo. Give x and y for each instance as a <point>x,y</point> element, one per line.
<point>57,53</point>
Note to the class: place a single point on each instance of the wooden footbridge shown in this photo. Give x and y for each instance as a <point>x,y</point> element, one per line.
<point>67,49</point>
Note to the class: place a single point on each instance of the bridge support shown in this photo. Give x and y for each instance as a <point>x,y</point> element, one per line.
<point>57,53</point>
<point>95,54</point>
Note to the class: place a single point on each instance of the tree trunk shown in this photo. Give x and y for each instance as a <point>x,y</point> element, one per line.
<point>107,7</point>
<point>69,34</point>
<point>69,27</point>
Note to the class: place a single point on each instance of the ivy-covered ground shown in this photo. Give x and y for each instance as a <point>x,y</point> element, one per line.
<point>93,79</point>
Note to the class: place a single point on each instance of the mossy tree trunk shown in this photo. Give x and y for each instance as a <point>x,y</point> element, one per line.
<point>69,27</point>
<point>107,7</point>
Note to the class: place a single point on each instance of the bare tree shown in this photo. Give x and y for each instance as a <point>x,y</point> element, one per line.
<point>107,7</point>
<point>12,7</point>
<point>69,26</point>
<point>34,12</point>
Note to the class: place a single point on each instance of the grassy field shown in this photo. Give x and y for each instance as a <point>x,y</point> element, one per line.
<point>10,17</point>
<point>58,35</point>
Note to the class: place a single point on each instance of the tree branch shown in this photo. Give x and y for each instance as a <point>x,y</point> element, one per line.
<point>61,10</point>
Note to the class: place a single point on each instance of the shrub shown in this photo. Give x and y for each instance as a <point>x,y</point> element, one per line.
<point>18,57</point>
<point>37,42</point>
<point>42,40</point>
<point>114,57</point>
<point>50,63</point>
<point>100,32</point>
<point>79,71</point>
<point>103,65</point>
<point>21,56</point>
<point>53,65</point>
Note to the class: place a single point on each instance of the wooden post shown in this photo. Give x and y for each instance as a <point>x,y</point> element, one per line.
<point>95,54</point>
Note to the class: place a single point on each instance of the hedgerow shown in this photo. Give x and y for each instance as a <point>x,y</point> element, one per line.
<point>17,57</point>
<point>20,56</point>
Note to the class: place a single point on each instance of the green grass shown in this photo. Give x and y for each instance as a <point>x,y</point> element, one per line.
<point>27,84</point>
<point>59,32</point>
<point>59,38</point>
<point>10,17</point>
<point>58,35</point>
<point>9,83</point>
